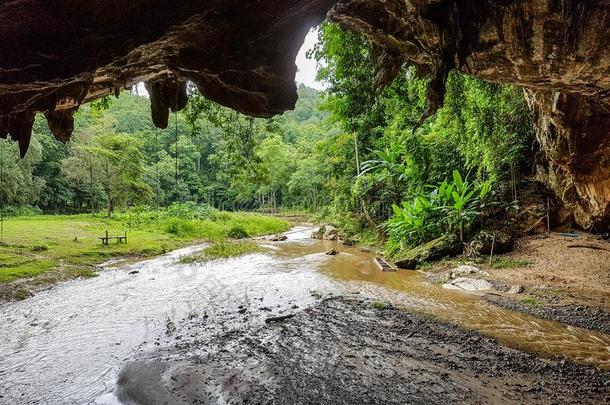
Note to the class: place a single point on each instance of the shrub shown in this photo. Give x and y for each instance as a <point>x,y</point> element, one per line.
<point>21,211</point>
<point>180,227</point>
<point>448,208</point>
<point>237,232</point>
<point>223,250</point>
<point>190,210</point>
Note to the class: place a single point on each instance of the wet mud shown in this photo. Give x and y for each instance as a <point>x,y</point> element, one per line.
<point>347,350</point>
<point>592,318</point>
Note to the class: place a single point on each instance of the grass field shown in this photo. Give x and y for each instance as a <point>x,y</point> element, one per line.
<point>69,246</point>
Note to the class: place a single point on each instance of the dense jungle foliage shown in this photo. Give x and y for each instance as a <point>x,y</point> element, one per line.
<point>351,154</point>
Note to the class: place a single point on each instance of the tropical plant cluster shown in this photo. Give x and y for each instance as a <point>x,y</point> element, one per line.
<point>448,208</point>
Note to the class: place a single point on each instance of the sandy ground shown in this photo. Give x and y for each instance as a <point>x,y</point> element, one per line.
<point>566,279</point>
<point>562,269</point>
<point>348,351</point>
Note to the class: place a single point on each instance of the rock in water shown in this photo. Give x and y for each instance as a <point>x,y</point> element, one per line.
<point>468,284</point>
<point>332,252</point>
<point>447,245</point>
<point>278,238</point>
<point>330,233</point>
<point>516,289</point>
<point>319,233</point>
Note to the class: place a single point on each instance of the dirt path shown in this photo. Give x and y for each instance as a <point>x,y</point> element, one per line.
<point>349,351</point>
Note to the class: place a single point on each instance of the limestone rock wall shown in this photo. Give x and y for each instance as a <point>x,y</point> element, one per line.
<point>56,55</point>
<point>574,136</point>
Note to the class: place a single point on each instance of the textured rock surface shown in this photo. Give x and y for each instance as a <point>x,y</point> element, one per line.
<point>557,49</point>
<point>468,284</point>
<point>448,245</point>
<point>57,55</point>
<point>574,134</point>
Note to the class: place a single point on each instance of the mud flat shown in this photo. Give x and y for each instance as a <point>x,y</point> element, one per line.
<point>348,351</point>
<point>593,318</point>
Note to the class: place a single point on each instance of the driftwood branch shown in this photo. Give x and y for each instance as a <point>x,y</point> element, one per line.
<point>278,318</point>
<point>589,247</point>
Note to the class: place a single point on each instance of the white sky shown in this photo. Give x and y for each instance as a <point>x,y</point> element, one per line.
<point>307,67</point>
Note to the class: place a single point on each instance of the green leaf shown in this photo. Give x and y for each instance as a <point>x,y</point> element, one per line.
<point>457,179</point>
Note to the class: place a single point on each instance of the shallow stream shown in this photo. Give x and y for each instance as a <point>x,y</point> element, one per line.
<point>67,344</point>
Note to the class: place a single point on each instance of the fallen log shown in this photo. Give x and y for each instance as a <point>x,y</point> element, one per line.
<point>278,318</point>
<point>589,247</point>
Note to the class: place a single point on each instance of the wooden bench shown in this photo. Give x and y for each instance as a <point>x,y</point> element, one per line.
<point>119,239</point>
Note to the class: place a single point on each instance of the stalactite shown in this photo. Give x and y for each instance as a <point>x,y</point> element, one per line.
<point>61,123</point>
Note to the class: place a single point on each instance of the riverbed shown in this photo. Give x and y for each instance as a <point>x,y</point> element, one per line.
<point>67,345</point>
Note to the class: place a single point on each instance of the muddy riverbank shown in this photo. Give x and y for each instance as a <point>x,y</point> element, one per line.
<point>560,277</point>
<point>593,318</point>
<point>348,351</point>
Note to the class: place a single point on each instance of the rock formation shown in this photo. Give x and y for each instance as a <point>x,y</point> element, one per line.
<point>58,55</point>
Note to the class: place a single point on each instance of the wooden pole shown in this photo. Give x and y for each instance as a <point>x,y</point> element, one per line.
<point>491,253</point>
<point>548,214</point>
<point>176,133</point>
<point>357,154</point>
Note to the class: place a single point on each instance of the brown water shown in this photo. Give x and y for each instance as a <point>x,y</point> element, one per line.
<point>66,345</point>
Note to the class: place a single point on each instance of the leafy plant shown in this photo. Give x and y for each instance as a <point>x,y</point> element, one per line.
<point>449,207</point>
<point>465,202</point>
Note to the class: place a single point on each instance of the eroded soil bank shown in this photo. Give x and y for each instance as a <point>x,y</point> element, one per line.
<point>349,351</point>
<point>565,278</point>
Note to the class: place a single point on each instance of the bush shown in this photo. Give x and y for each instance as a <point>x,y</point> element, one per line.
<point>237,232</point>
<point>448,208</point>
<point>22,211</point>
<point>190,210</point>
<point>180,227</point>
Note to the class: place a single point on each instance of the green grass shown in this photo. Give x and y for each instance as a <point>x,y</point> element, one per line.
<point>379,305</point>
<point>70,244</point>
<point>14,268</point>
<point>531,302</point>
<point>508,262</point>
<point>223,250</point>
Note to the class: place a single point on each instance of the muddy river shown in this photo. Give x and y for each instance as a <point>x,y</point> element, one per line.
<point>66,345</point>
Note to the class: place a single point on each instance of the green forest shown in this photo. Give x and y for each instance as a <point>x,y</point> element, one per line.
<point>354,154</point>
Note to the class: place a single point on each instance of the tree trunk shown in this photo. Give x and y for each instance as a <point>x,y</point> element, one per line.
<point>91,192</point>
<point>357,154</point>
<point>110,208</point>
